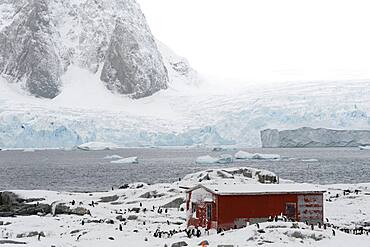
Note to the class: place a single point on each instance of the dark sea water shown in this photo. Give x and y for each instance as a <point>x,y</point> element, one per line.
<point>88,171</point>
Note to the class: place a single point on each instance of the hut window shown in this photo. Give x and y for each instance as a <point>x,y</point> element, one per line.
<point>209,211</point>
<point>193,207</point>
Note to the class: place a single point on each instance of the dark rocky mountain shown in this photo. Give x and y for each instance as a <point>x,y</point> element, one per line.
<point>40,40</point>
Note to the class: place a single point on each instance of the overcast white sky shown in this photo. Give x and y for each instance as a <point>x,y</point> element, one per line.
<point>267,40</point>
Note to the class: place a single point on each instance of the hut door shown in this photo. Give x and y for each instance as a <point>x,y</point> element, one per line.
<point>291,211</point>
<point>202,214</point>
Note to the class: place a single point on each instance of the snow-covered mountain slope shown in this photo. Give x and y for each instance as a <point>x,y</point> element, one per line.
<point>193,116</point>
<point>41,41</point>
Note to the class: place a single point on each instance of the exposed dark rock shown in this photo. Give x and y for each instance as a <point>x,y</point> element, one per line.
<point>176,203</point>
<point>75,231</point>
<point>61,208</point>
<point>109,221</point>
<point>179,244</point>
<point>136,210</point>
<point>98,221</point>
<point>120,218</point>
<point>133,64</point>
<point>30,234</point>
<point>151,194</point>
<point>138,186</point>
<point>117,203</point>
<point>28,200</point>
<point>7,241</point>
<point>6,214</point>
<point>8,198</point>
<point>109,198</point>
<point>11,205</point>
<point>124,186</point>
<point>132,217</point>
<point>28,53</point>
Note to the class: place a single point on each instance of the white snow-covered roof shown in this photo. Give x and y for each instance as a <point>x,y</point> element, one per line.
<point>252,189</point>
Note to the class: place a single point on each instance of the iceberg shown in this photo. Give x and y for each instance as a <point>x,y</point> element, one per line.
<point>206,160</point>
<point>112,157</point>
<point>243,155</point>
<point>97,146</point>
<point>225,159</point>
<point>310,137</point>
<point>129,160</point>
<point>258,156</point>
<point>222,159</point>
<point>310,160</point>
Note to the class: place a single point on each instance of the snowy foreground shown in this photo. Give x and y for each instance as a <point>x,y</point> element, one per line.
<point>132,205</point>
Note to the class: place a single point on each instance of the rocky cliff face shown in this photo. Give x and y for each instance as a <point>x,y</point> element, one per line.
<point>133,64</point>
<point>27,51</point>
<point>309,137</point>
<point>40,40</point>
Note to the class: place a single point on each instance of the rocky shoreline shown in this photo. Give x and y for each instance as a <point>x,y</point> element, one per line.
<point>139,214</point>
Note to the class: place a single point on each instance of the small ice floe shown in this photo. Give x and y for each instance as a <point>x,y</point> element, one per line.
<point>206,160</point>
<point>242,155</point>
<point>258,156</point>
<point>97,146</point>
<point>112,157</point>
<point>364,147</point>
<point>222,159</point>
<point>310,160</point>
<point>129,160</point>
<point>225,159</point>
<point>29,150</point>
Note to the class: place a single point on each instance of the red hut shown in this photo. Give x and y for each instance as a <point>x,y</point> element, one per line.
<point>238,205</point>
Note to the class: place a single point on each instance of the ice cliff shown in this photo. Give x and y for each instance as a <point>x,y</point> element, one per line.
<point>310,137</point>
<point>40,40</point>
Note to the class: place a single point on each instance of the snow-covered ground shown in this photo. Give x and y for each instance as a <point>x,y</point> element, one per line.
<point>119,206</point>
<point>182,115</point>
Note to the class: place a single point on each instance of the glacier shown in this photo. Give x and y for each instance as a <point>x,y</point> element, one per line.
<point>309,137</point>
<point>181,118</point>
